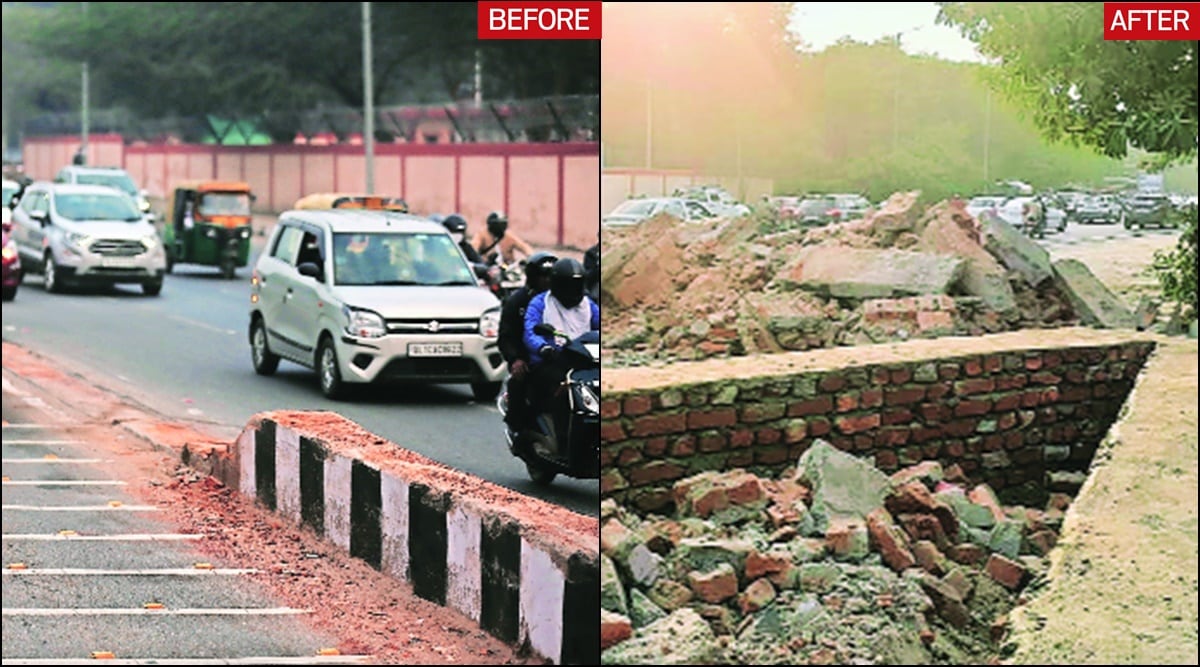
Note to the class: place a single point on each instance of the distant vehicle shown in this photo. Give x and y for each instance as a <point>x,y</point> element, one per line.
<point>848,207</point>
<point>716,199</point>
<point>1149,209</point>
<point>113,177</point>
<point>1103,209</point>
<point>985,203</point>
<point>817,210</point>
<point>91,234</point>
<point>634,211</point>
<point>11,258</point>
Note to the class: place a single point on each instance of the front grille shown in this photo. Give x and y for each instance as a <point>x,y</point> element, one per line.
<point>117,247</point>
<point>432,326</point>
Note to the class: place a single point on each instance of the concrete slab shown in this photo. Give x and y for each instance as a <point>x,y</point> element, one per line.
<point>1015,250</point>
<point>864,273</point>
<point>1093,302</point>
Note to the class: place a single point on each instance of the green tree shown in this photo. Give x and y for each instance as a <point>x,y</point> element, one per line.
<point>1111,95</point>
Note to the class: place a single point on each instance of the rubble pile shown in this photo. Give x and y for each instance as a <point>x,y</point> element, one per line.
<point>674,290</point>
<point>833,563</point>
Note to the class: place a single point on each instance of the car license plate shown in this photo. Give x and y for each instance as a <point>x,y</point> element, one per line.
<point>121,262</point>
<point>435,349</point>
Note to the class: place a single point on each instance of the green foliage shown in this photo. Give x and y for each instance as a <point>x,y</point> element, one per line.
<point>163,59</point>
<point>1176,269</point>
<point>1110,95</point>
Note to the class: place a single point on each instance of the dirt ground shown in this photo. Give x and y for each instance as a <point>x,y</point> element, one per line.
<point>1122,587</point>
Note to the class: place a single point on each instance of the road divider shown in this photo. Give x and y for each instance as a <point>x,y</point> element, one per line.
<point>527,571</point>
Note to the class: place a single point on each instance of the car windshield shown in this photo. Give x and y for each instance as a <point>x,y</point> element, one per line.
<point>225,203</point>
<point>96,207</point>
<point>390,258</point>
<point>634,208</point>
<point>119,181</point>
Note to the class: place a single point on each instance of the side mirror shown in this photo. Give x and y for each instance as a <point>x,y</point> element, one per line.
<point>543,329</point>
<point>41,216</point>
<point>481,270</point>
<point>311,270</point>
<point>8,226</point>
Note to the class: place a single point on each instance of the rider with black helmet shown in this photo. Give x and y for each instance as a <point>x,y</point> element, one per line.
<point>571,312</point>
<point>457,226</point>
<point>512,325</point>
<point>498,240</point>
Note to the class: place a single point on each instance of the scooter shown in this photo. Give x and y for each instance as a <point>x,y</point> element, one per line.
<point>539,446</point>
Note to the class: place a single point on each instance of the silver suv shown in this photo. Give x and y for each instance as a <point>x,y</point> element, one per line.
<point>113,177</point>
<point>364,296</point>
<point>87,234</point>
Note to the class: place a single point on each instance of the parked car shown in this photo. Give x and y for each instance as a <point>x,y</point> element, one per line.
<point>11,260</point>
<point>1149,209</point>
<point>87,234</point>
<point>114,177</point>
<point>1102,209</point>
<point>364,296</point>
<point>634,211</point>
<point>715,199</point>
<point>816,210</point>
<point>848,207</point>
<point>980,204</point>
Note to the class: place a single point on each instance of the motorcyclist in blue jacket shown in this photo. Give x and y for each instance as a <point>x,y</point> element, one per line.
<point>565,307</point>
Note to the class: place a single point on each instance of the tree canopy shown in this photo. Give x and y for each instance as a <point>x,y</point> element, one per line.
<point>1052,59</point>
<point>162,59</point>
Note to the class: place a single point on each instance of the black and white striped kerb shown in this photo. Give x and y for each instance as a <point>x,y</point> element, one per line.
<point>448,546</point>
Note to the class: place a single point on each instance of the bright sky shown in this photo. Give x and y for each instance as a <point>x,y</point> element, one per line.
<point>820,24</point>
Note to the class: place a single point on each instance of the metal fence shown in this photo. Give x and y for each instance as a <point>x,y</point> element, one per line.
<point>544,119</point>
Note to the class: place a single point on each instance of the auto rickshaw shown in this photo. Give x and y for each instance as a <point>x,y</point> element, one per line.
<point>208,223</point>
<point>323,200</point>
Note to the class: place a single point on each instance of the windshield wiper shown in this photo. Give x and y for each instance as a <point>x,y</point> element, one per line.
<point>395,282</point>
<point>453,282</point>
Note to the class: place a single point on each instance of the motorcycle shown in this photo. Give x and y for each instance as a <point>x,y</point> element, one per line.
<point>501,278</point>
<point>539,445</point>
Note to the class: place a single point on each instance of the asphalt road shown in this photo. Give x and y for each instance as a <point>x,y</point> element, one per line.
<point>89,569</point>
<point>185,355</point>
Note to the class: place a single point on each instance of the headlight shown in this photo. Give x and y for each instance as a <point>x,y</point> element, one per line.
<point>210,233</point>
<point>150,241</point>
<point>489,324</point>
<point>589,399</point>
<point>78,241</point>
<point>246,233</point>
<point>10,251</point>
<point>363,323</point>
<point>145,206</point>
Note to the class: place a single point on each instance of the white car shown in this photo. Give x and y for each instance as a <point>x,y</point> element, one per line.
<point>634,211</point>
<point>365,296</point>
<point>113,177</point>
<point>985,203</point>
<point>87,234</point>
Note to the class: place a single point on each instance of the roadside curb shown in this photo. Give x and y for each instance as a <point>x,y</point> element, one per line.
<point>519,567</point>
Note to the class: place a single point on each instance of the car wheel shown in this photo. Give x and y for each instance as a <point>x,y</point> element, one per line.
<point>10,293</point>
<point>539,474</point>
<point>265,361</point>
<point>50,275</point>
<point>328,370</point>
<point>152,288</point>
<point>485,391</point>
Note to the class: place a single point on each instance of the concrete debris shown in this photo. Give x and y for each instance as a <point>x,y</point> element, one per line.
<point>1096,304</point>
<point>675,291</point>
<point>808,569</point>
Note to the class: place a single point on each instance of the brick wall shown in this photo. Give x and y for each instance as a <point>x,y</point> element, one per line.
<point>1005,417</point>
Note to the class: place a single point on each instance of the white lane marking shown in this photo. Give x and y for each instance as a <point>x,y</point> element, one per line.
<point>42,460</point>
<point>256,660</point>
<point>195,412</point>
<point>131,537</point>
<point>40,404</point>
<point>9,388</point>
<point>65,482</point>
<point>43,442</point>
<point>122,378</point>
<point>138,611</point>
<point>164,572</point>
<point>202,325</point>
<point>80,508</point>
